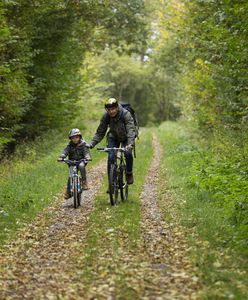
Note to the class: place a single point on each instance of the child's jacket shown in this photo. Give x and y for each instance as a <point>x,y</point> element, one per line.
<point>76,152</point>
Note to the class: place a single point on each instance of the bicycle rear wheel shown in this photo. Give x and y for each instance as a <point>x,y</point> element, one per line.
<point>113,185</point>
<point>123,184</point>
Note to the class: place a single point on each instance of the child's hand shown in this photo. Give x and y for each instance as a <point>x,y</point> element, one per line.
<point>60,159</point>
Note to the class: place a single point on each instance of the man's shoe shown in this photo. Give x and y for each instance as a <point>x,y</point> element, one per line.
<point>130,178</point>
<point>85,185</point>
<point>67,195</point>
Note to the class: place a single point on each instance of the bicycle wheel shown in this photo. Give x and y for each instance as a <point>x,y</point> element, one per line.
<point>123,184</point>
<point>75,194</point>
<point>113,185</point>
<point>80,192</point>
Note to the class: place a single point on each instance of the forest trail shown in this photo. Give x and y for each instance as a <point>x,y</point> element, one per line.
<point>169,274</point>
<point>46,261</point>
<point>37,264</point>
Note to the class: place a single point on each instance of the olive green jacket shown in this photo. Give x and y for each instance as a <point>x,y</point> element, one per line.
<point>120,127</point>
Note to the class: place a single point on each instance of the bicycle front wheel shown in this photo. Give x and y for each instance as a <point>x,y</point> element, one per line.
<point>113,185</point>
<point>123,184</point>
<point>76,199</point>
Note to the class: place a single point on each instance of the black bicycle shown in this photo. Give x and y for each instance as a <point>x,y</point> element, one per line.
<point>117,175</point>
<point>75,181</point>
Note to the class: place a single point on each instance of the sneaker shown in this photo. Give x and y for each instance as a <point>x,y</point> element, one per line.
<point>130,178</point>
<point>67,195</point>
<point>85,185</point>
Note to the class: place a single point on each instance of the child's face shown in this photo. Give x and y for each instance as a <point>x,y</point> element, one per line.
<point>75,139</point>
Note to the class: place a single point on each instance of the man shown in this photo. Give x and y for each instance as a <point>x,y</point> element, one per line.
<point>121,131</point>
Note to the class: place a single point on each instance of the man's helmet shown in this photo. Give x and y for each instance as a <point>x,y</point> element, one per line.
<point>111,102</point>
<point>74,132</point>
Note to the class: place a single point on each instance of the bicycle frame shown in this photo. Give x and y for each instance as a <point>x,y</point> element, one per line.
<point>117,181</point>
<point>75,180</point>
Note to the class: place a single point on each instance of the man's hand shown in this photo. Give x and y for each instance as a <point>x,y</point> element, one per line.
<point>129,147</point>
<point>89,145</point>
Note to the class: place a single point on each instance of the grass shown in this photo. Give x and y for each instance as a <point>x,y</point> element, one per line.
<point>114,231</point>
<point>31,179</point>
<point>222,264</point>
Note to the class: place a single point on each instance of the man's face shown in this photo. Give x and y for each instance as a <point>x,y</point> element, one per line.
<point>75,139</point>
<point>112,111</point>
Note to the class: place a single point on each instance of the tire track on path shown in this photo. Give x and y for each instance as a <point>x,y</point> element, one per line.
<point>157,267</point>
<point>38,264</point>
<point>169,274</point>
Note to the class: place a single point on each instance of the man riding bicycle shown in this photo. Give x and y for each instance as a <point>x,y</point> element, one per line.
<point>121,131</point>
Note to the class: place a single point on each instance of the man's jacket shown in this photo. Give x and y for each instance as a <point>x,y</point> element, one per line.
<point>121,127</point>
<point>76,152</point>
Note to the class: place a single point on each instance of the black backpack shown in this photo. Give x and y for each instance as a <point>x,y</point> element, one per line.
<point>128,107</point>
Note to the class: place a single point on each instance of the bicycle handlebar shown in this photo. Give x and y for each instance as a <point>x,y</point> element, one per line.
<point>105,149</point>
<point>74,162</point>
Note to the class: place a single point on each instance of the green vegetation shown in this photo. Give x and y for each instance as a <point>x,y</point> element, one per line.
<point>218,244</point>
<point>32,179</point>
<point>172,60</point>
<point>43,44</point>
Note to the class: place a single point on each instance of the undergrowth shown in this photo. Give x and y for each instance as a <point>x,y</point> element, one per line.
<point>209,183</point>
<point>32,177</point>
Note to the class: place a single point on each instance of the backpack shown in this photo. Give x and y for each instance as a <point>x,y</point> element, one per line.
<point>128,107</point>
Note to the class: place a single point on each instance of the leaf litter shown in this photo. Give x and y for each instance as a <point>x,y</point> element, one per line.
<point>49,260</point>
<point>39,262</point>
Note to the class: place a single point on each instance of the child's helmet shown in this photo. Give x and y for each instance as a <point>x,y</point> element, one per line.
<point>111,102</point>
<point>74,132</point>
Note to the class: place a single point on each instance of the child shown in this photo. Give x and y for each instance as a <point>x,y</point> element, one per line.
<point>76,150</point>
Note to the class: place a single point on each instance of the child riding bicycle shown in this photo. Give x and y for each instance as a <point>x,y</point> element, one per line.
<point>76,150</point>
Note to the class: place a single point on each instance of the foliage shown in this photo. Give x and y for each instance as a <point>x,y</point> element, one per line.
<point>206,188</point>
<point>202,48</point>
<point>217,35</point>
<point>42,47</point>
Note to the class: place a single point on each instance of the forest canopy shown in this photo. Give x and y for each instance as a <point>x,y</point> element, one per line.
<point>168,58</point>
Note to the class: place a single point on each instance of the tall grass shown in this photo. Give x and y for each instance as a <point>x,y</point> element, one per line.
<point>221,259</point>
<point>32,177</point>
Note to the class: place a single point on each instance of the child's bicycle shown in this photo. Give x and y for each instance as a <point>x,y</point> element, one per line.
<point>117,175</point>
<point>75,181</point>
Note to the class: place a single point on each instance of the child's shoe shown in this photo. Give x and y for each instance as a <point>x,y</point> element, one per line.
<point>85,185</point>
<point>67,195</point>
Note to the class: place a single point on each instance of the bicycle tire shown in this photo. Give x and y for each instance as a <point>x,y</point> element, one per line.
<point>123,184</point>
<point>113,185</point>
<point>80,192</point>
<point>75,194</point>
<point>79,199</point>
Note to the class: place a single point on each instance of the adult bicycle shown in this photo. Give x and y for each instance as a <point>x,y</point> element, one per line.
<point>117,175</point>
<point>75,180</point>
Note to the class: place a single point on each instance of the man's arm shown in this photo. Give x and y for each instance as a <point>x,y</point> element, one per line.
<point>130,128</point>
<point>101,131</point>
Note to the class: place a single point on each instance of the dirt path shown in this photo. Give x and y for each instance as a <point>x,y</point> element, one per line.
<point>157,268</point>
<point>44,261</point>
<point>37,264</point>
<point>169,274</point>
